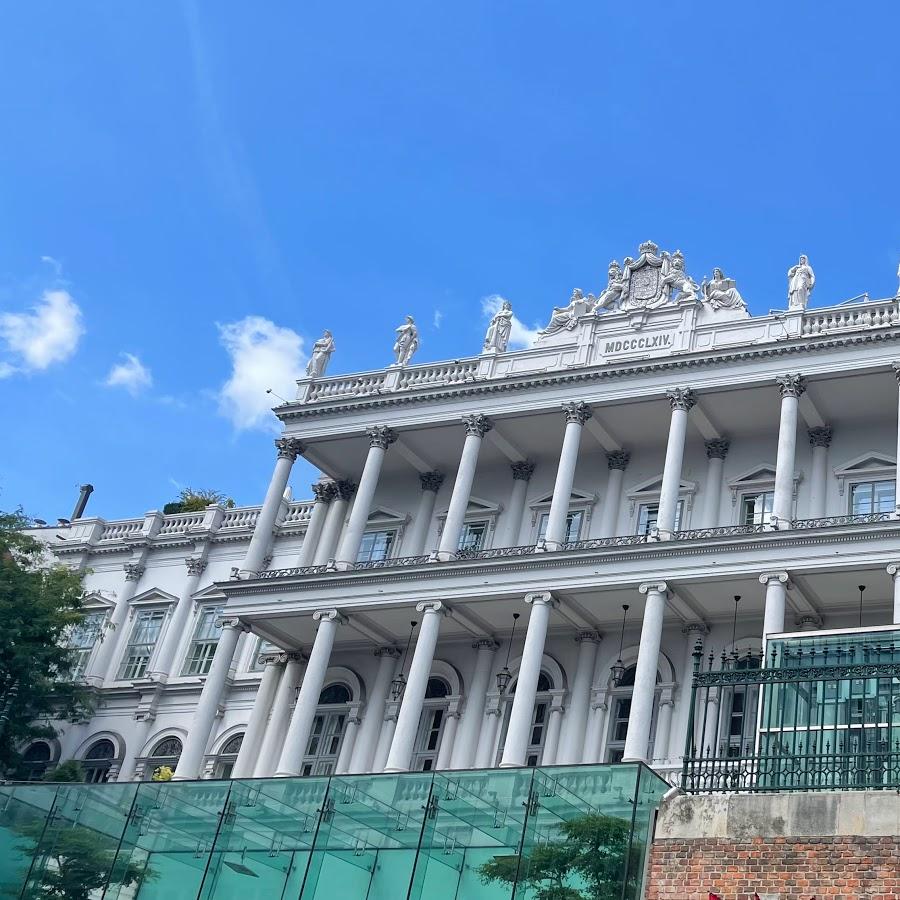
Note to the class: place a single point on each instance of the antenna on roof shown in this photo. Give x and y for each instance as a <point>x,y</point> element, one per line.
<point>270,391</point>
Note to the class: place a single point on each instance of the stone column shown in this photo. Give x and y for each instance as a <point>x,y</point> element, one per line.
<point>107,657</point>
<point>421,524</point>
<point>572,747</point>
<point>380,438</point>
<point>334,522</point>
<point>515,507</point>
<point>487,740</point>
<point>809,622</point>
<point>896,367</point>
<point>576,415</point>
<point>448,736</point>
<point>593,739</point>
<point>554,727</point>
<point>477,427</point>
<point>894,571</point>
<point>279,717</point>
<point>414,693</point>
<point>135,745</point>
<point>516,745</point>
<point>682,400</point>
<point>324,492</point>
<point>291,759</point>
<point>710,743</point>
<point>373,721</point>
<point>210,697</point>
<point>259,715</point>
<point>791,386</point>
<point>616,463</point>
<point>288,451</point>
<point>351,733</point>
<point>171,639</point>
<point>386,736</point>
<point>470,726</point>
<point>820,438</point>
<point>637,738</point>
<point>716,451</point>
<point>663,727</point>
<point>776,597</point>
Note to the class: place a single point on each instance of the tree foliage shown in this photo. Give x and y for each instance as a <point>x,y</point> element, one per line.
<point>191,500</point>
<point>39,603</point>
<point>587,862</point>
<point>70,770</point>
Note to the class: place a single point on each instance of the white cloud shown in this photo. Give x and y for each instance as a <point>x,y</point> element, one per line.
<point>46,334</point>
<point>520,335</point>
<point>263,355</point>
<point>132,375</point>
<point>438,318</point>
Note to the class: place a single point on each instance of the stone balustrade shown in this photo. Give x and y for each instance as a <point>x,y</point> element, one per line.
<point>117,531</point>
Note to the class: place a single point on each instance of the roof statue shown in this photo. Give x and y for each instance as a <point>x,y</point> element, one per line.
<point>407,342</point>
<point>651,280</point>
<point>801,281</point>
<point>497,338</point>
<point>321,354</point>
<point>566,317</point>
<point>721,293</point>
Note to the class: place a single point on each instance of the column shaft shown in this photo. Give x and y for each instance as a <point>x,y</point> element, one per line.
<point>663,730</point>
<point>820,438</point>
<point>554,727</point>
<point>576,415</point>
<point>517,734</point>
<point>448,740</point>
<point>792,386</point>
<point>472,721</point>
<point>279,718</point>
<point>373,720</point>
<point>107,657</point>
<point>593,738</point>
<point>484,755</point>
<point>324,492</point>
<point>515,507</point>
<point>133,749</point>
<point>681,400</point>
<point>334,523</point>
<point>716,451</point>
<point>616,463</point>
<point>205,714</point>
<point>417,535</point>
<point>894,571</point>
<point>259,715</point>
<point>776,597</point>
<point>165,657</point>
<point>385,738</point>
<point>640,720</point>
<point>572,746</point>
<point>414,694</point>
<point>297,738</point>
<point>348,743</point>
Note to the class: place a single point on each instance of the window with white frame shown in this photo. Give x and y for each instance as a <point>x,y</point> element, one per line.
<point>206,639</point>
<point>867,497</point>
<point>228,756</point>
<point>98,761</point>
<point>573,525</point>
<point>473,535</point>
<point>376,546</point>
<point>327,732</point>
<point>621,711</point>
<point>540,718</point>
<point>144,635</point>
<point>648,514</point>
<point>756,508</point>
<point>82,640</point>
<point>431,725</point>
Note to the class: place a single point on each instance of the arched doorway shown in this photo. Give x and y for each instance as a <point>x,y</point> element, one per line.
<point>431,724</point>
<point>540,719</point>
<point>620,710</point>
<point>36,761</point>
<point>327,733</point>
<point>98,761</point>
<point>228,755</point>
<point>166,752</point>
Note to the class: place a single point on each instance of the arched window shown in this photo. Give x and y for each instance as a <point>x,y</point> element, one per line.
<point>540,716</point>
<point>165,753</point>
<point>228,756</point>
<point>97,761</point>
<point>431,724</point>
<point>327,732</point>
<point>621,710</point>
<point>35,761</point>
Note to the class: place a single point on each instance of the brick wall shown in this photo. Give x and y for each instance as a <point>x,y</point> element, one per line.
<point>778,868</point>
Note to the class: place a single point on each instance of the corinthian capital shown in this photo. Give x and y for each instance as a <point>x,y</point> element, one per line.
<point>820,436</point>
<point>344,489</point>
<point>791,385</point>
<point>289,448</point>
<point>133,571</point>
<point>577,412</point>
<point>381,436</point>
<point>522,471</point>
<point>477,425</point>
<point>195,566</point>
<point>431,481</point>
<point>681,398</point>
<point>618,459</point>
<point>717,448</point>
<point>324,491</point>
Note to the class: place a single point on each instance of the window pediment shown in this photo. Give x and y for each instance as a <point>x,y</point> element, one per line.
<point>867,465</point>
<point>578,500</point>
<point>648,492</point>
<point>94,601</point>
<point>385,516</point>
<point>759,478</point>
<point>210,592</point>
<point>153,597</point>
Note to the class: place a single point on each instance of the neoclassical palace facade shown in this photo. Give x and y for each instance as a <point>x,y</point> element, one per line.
<point>562,524</point>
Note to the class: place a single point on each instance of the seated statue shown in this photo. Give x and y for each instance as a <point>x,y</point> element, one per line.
<point>566,317</point>
<point>614,292</point>
<point>720,292</point>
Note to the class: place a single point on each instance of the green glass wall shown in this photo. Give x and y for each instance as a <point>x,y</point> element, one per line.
<point>568,832</point>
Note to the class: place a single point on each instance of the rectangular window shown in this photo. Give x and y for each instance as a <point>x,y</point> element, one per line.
<point>473,535</point>
<point>573,525</point>
<point>649,513</point>
<point>82,639</point>
<point>143,639</point>
<point>376,546</point>
<point>206,639</point>
<point>756,509</point>
<point>868,497</point>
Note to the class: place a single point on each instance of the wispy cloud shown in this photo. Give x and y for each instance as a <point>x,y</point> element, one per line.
<point>57,265</point>
<point>438,318</point>
<point>263,356</point>
<point>48,333</point>
<point>520,335</point>
<point>131,374</point>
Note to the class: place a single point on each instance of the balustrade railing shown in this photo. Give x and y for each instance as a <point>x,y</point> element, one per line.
<point>831,521</point>
<point>116,531</point>
<point>496,552</point>
<point>293,572</point>
<point>623,540</point>
<point>442,373</point>
<point>696,534</point>
<point>864,315</point>
<point>298,513</point>
<point>241,517</point>
<point>346,387</point>
<point>181,522</point>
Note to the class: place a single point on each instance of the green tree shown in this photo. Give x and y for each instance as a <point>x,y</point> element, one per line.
<point>591,852</point>
<point>68,771</point>
<point>190,500</point>
<point>39,603</point>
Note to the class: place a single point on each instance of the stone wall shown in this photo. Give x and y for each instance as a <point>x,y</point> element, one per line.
<point>841,846</point>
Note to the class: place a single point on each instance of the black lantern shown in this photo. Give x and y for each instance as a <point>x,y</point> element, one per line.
<point>862,588</point>
<point>618,670</point>
<point>398,685</point>
<point>504,676</point>
<point>732,663</point>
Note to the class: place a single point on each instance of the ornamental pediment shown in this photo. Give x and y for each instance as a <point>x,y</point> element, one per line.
<point>870,464</point>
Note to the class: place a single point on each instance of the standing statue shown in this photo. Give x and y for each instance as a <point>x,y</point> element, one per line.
<point>898,277</point>
<point>566,317</point>
<point>497,337</point>
<point>321,354</point>
<point>407,342</point>
<point>720,292</point>
<point>801,281</point>
<point>613,293</point>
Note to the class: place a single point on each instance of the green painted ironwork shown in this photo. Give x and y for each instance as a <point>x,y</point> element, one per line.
<point>573,832</point>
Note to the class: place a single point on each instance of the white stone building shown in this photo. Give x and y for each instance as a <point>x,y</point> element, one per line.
<point>657,448</point>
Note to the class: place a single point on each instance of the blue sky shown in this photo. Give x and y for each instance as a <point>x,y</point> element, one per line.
<point>190,192</point>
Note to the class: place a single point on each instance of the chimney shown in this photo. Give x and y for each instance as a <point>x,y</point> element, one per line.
<point>86,491</point>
